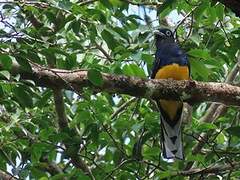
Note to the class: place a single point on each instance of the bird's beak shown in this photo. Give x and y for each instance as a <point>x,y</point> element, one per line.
<point>157,33</point>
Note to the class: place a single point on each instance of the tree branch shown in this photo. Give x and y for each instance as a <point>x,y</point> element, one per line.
<point>214,111</point>
<point>211,169</point>
<point>143,3</point>
<point>122,107</point>
<point>100,48</point>
<point>188,91</point>
<point>6,176</point>
<point>63,124</point>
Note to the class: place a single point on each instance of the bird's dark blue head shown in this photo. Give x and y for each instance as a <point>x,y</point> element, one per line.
<point>167,50</point>
<point>163,36</point>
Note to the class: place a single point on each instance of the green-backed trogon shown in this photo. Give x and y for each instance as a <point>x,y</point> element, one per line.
<point>170,63</point>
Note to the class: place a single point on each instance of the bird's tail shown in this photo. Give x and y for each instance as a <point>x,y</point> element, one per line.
<point>172,139</point>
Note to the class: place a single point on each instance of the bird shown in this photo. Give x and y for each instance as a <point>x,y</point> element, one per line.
<point>171,62</point>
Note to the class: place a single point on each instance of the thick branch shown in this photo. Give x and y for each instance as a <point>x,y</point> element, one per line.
<point>6,176</point>
<point>214,169</point>
<point>188,91</point>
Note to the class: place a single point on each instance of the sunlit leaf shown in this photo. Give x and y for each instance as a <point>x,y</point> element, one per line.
<point>133,70</point>
<point>6,74</point>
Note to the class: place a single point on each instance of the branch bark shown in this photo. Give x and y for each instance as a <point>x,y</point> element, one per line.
<point>188,91</point>
<point>211,169</point>
<point>6,176</point>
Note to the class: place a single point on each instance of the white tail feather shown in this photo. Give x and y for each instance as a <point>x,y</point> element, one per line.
<point>172,140</point>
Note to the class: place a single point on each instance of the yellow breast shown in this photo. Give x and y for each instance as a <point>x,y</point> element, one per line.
<point>176,72</point>
<point>173,71</point>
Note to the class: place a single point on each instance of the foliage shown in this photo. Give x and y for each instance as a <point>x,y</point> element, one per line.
<point>109,36</point>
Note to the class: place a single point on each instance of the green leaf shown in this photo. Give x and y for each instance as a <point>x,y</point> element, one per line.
<point>198,67</point>
<point>132,24</point>
<point>211,15</point>
<point>220,11</point>
<point>116,2</point>
<point>23,97</point>
<point>151,152</point>
<point>206,126</point>
<point>164,174</point>
<point>220,138</point>
<point>109,39</point>
<point>164,6</point>
<point>45,133</point>
<point>82,116</point>
<point>200,10</point>
<point>6,61</point>
<point>33,56</point>
<point>50,56</point>
<point>95,77</point>
<point>235,131</point>
<point>36,152</point>
<point>199,53</point>
<point>44,99</point>
<point>121,32</point>
<point>98,15</point>
<point>24,63</point>
<point>196,38</point>
<point>59,176</point>
<point>43,178</point>
<point>92,132</point>
<point>148,58</point>
<point>106,3</point>
<point>76,26</point>
<point>133,70</point>
<point>6,74</point>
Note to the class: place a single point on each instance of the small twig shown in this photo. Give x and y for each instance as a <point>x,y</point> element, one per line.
<point>122,107</point>
<point>118,167</point>
<point>104,52</point>
<point>154,165</point>
<point>149,173</point>
<point>144,3</point>
<point>190,29</point>
<point>221,24</point>
<point>135,109</point>
<point>92,160</point>
<point>210,35</point>
<point>8,24</point>
<point>114,141</point>
<point>83,3</point>
<point>183,19</point>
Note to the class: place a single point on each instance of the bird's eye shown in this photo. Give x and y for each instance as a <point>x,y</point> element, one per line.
<point>168,33</point>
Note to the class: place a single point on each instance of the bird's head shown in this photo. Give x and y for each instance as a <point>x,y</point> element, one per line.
<point>163,36</point>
